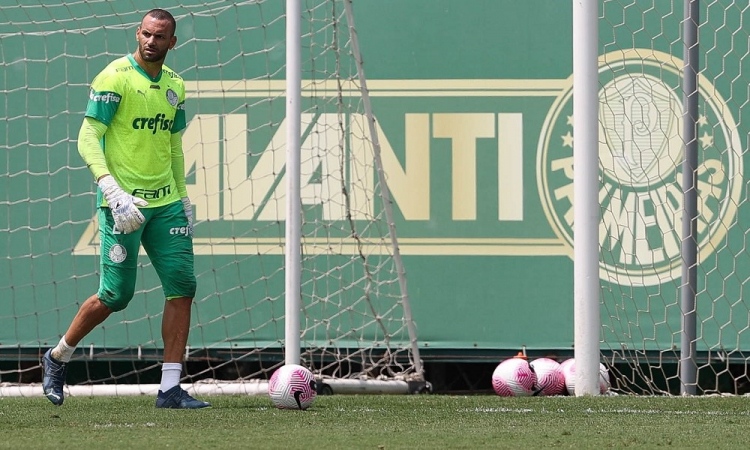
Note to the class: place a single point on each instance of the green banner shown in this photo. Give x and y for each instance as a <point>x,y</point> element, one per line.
<point>473,107</point>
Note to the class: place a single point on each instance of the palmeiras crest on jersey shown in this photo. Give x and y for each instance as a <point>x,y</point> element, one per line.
<point>640,167</point>
<point>172,97</point>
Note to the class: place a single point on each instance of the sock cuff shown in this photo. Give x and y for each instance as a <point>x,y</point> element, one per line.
<point>171,366</point>
<point>64,344</point>
<point>63,351</point>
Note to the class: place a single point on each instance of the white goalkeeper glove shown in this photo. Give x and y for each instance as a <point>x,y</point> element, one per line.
<point>124,206</point>
<point>188,207</point>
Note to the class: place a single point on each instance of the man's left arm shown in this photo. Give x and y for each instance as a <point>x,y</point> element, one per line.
<point>178,170</point>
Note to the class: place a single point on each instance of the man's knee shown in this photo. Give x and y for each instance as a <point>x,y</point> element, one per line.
<point>116,286</point>
<point>116,299</point>
<point>180,285</point>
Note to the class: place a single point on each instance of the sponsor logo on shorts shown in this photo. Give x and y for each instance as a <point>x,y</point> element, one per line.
<point>117,253</point>
<point>180,230</point>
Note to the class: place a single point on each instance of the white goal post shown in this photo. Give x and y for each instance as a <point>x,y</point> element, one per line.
<point>586,162</point>
<point>297,257</point>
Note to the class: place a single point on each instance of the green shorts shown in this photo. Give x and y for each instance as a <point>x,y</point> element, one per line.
<point>165,237</point>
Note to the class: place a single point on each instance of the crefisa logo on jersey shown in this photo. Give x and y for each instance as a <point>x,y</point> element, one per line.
<point>172,97</point>
<point>104,97</point>
<point>640,168</point>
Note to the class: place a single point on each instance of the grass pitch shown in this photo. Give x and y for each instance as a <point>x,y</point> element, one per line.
<point>380,422</point>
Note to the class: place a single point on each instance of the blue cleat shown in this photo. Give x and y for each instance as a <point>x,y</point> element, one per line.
<point>54,378</point>
<point>178,398</point>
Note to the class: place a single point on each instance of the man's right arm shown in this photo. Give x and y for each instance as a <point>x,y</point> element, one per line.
<point>90,148</point>
<point>124,206</point>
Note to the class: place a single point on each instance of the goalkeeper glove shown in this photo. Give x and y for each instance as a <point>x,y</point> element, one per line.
<point>188,207</point>
<point>124,206</point>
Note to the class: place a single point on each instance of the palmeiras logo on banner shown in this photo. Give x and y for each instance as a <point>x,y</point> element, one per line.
<point>640,167</point>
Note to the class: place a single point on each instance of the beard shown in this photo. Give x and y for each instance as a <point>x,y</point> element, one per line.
<point>154,56</point>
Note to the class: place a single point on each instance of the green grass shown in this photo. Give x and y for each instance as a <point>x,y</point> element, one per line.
<point>380,422</point>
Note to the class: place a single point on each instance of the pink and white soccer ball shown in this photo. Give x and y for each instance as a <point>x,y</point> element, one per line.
<point>292,387</point>
<point>549,376</point>
<point>514,378</point>
<point>569,371</point>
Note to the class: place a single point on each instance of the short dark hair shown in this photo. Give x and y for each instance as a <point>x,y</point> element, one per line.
<point>162,14</point>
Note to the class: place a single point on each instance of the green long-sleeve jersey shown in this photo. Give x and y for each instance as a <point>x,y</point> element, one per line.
<point>141,114</point>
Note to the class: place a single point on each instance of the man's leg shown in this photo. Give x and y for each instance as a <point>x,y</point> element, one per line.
<point>54,363</point>
<point>91,314</point>
<point>170,247</point>
<point>175,327</point>
<point>174,330</point>
<point>116,287</point>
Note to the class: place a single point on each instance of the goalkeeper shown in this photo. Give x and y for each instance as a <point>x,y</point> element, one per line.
<point>130,139</point>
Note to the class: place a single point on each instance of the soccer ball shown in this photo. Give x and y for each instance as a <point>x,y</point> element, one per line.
<point>569,371</point>
<point>514,378</point>
<point>549,376</point>
<point>292,387</point>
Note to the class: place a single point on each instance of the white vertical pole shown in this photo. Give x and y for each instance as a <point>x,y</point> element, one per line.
<point>585,191</point>
<point>292,261</point>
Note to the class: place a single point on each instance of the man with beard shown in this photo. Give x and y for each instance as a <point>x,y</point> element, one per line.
<point>130,140</point>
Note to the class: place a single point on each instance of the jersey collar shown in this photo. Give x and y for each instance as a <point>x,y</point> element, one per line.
<point>141,71</point>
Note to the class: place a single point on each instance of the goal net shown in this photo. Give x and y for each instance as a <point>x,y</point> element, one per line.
<point>354,318</point>
<point>642,142</point>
